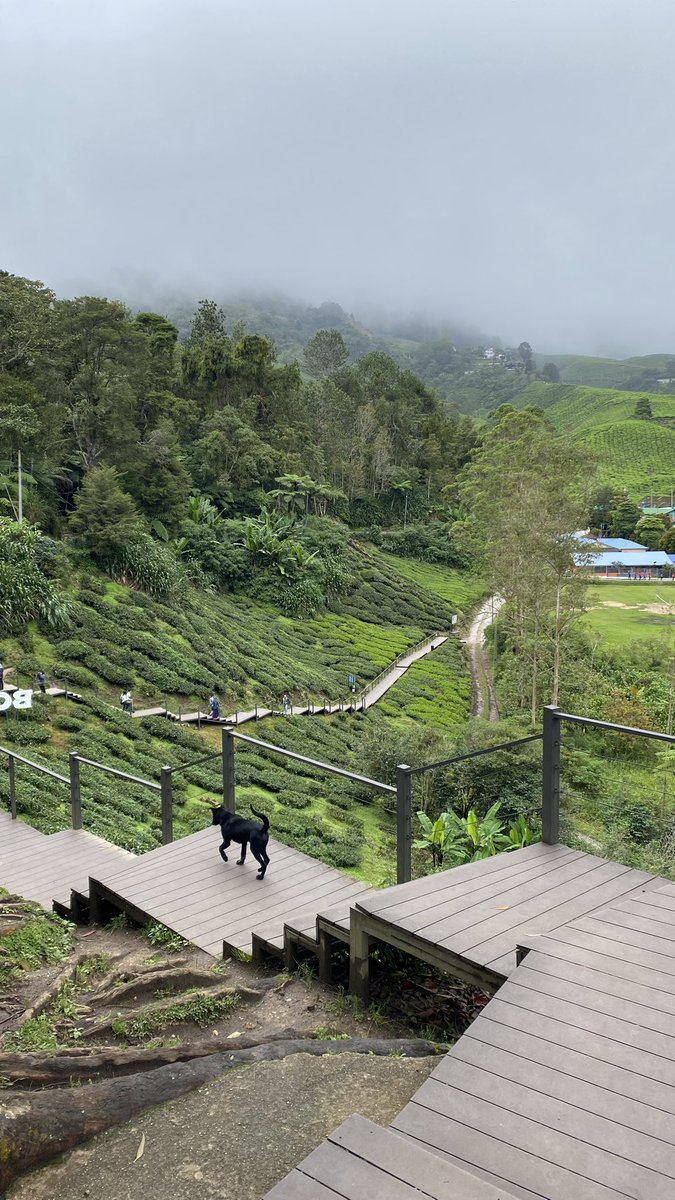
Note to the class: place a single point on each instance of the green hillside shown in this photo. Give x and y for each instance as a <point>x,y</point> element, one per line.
<point>179,650</point>
<point>632,453</point>
<point>637,372</point>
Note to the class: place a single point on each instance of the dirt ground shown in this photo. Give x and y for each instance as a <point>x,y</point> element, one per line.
<point>232,1139</point>
<point>287,1002</point>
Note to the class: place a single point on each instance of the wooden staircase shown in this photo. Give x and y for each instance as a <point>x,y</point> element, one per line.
<point>53,869</point>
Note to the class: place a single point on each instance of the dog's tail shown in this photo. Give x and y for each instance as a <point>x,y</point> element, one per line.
<point>265,820</point>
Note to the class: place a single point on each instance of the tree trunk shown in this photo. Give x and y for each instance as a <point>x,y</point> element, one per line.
<point>37,1127</point>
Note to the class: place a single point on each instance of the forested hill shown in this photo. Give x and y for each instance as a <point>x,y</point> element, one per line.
<point>156,456</point>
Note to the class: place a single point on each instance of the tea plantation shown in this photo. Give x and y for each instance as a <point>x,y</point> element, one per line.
<point>179,652</point>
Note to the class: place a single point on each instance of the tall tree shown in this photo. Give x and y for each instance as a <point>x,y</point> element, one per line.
<point>649,531</point>
<point>26,309</point>
<point>326,352</point>
<point>525,492</point>
<point>526,356</point>
<point>105,517</point>
<point>624,517</point>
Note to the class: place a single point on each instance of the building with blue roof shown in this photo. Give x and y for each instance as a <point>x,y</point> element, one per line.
<point>620,544</point>
<point>619,558</point>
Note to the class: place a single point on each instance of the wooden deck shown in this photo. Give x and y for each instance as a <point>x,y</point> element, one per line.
<point>362,1161</point>
<point>565,1085</point>
<point>562,1089</point>
<point>220,906</point>
<point>48,868</point>
<point>469,920</point>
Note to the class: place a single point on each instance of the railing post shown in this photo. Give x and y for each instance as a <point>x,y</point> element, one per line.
<point>11,765</point>
<point>75,797</point>
<point>550,813</point>
<point>166,795</point>
<point>403,824</point>
<point>229,801</point>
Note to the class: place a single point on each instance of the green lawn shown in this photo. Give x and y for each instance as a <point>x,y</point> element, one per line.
<point>622,613</point>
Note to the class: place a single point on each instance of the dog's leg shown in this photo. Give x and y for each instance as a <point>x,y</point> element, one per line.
<point>261,856</point>
<point>242,858</point>
<point>223,848</point>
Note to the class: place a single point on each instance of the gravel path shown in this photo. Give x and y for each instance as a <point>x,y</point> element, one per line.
<point>481,669</point>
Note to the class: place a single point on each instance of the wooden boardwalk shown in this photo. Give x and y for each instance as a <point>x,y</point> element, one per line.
<point>362,1161</point>
<point>369,696</point>
<point>48,868</point>
<point>469,920</point>
<point>562,1089</point>
<point>187,887</point>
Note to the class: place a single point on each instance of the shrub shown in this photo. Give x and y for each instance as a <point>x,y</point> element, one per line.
<point>147,564</point>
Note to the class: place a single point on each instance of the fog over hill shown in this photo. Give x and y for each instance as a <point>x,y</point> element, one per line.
<point>502,164</point>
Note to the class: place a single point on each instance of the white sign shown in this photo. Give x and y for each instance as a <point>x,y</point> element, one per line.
<point>21,698</point>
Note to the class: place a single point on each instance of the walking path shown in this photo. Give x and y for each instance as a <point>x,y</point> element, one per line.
<point>365,699</point>
<point>481,670</point>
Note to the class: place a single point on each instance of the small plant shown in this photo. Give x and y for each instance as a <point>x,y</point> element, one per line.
<point>158,935</point>
<point>97,965</point>
<point>240,955</point>
<point>202,1011</point>
<point>456,840</point>
<point>306,973</point>
<point>326,1034</point>
<point>38,1033</point>
<point>43,940</point>
<point>121,921</point>
<point>344,1003</point>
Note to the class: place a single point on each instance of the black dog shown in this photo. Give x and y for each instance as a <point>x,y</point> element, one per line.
<point>238,829</point>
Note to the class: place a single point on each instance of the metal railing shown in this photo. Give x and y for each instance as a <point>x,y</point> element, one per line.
<point>12,759</point>
<point>405,776</point>
<point>402,791</point>
<point>74,785</point>
<point>360,698</point>
<point>553,721</point>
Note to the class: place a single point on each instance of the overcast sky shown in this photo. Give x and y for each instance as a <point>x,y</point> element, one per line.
<point>509,163</point>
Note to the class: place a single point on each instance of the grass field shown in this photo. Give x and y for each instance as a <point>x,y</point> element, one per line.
<point>623,613</point>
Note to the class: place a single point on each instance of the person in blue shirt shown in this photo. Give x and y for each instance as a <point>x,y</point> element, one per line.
<point>214,705</point>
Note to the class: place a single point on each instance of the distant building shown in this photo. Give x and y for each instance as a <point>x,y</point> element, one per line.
<point>620,558</point>
<point>665,510</point>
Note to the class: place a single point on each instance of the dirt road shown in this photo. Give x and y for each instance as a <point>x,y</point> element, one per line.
<point>484,694</point>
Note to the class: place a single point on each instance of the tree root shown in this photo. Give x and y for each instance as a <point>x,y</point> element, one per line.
<point>148,983</point>
<point>36,1127</point>
<point>81,1065</point>
<point>50,993</point>
<point>155,1011</point>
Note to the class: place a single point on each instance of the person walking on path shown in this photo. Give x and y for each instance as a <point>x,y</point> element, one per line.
<point>214,705</point>
<point>2,678</point>
<point>288,707</point>
<point>127,702</point>
<point>42,681</point>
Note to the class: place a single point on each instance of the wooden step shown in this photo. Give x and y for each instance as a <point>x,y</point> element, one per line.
<point>363,1161</point>
<point>219,906</point>
<point>49,868</point>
